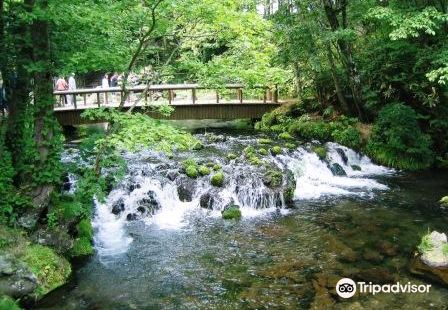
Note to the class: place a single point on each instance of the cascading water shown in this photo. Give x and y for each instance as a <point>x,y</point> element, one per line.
<point>157,192</point>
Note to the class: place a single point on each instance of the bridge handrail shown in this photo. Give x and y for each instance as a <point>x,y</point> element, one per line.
<point>160,87</point>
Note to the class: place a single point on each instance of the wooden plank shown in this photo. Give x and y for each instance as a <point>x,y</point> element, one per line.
<point>85,98</point>
<point>193,95</point>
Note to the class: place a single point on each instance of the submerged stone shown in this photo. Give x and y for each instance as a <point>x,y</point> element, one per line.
<point>118,207</point>
<point>438,274</point>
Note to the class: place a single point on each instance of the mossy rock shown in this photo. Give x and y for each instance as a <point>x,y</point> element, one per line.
<point>273,178</point>
<point>217,179</point>
<point>192,172</point>
<point>231,156</point>
<point>50,269</point>
<point>276,150</point>
<point>231,213</point>
<point>320,151</point>
<point>285,136</point>
<point>85,229</point>
<point>356,168</point>
<point>444,201</point>
<point>254,160</point>
<point>262,151</point>
<point>210,164</point>
<point>217,167</point>
<point>7,303</point>
<point>288,195</point>
<point>198,146</point>
<point>249,150</point>
<point>82,247</point>
<point>290,146</point>
<point>264,141</point>
<point>204,170</point>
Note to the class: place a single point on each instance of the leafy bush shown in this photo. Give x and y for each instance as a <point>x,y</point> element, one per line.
<point>7,303</point>
<point>312,130</point>
<point>397,140</point>
<point>425,244</point>
<point>349,136</point>
<point>82,247</point>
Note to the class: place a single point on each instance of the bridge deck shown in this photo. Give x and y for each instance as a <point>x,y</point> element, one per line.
<point>203,103</point>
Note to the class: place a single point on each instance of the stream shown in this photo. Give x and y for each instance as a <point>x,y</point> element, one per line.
<point>161,243</point>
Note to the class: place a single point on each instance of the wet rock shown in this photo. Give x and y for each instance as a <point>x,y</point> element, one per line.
<point>337,170</point>
<point>387,248</point>
<point>435,252</point>
<point>322,298</point>
<point>217,179</point>
<point>150,203</point>
<point>342,155</point>
<point>344,252</point>
<point>66,184</point>
<point>273,178</point>
<point>356,168</point>
<point>372,256</point>
<point>118,207</point>
<point>437,274</point>
<point>172,175</point>
<point>29,220</point>
<point>141,209</point>
<point>185,188</point>
<point>131,217</point>
<point>15,278</point>
<point>133,186</point>
<point>210,200</point>
<point>376,275</point>
<point>57,238</point>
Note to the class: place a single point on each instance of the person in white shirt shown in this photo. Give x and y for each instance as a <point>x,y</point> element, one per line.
<point>71,86</point>
<point>105,85</point>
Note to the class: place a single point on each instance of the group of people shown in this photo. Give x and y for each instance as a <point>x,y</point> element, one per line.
<point>61,85</point>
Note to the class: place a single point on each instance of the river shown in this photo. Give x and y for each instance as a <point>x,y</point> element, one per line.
<point>176,254</point>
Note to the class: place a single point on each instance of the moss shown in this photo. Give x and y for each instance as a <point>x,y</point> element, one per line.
<point>231,156</point>
<point>444,201</point>
<point>356,168</point>
<point>425,244</point>
<point>231,213</point>
<point>445,249</point>
<point>82,247</point>
<point>288,195</point>
<point>51,270</point>
<point>264,141</point>
<point>290,145</point>
<point>192,172</point>
<point>273,178</point>
<point>249,150</point>
<point>85,229</point>
<point>7,303</point>
<point>262,151</point>
<point>276,150</point>
<point>217,167</point>
<point>217,179</point>
<point>285,136</point>
<point>320,151</point>
<point>204,170</point>
<point>254,160</point>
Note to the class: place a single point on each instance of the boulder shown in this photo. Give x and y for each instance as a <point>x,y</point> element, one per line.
<point>57,238</point>
<point>15,278</point>
<point>172,175</point>
<point>217,179</point>
<point>118,207</point>
<point>356,168</point>
<point>185,188</point>
<point>131,217</point>
<point>337,170</point>
<point>436,255</point>
<point>437,274</point>
<point>150,204</point>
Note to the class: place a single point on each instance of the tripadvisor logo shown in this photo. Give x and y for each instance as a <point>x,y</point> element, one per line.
<point>347,288</point>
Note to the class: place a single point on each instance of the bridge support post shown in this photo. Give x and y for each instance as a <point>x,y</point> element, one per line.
<point>240,95</point>
<point>193,95</point>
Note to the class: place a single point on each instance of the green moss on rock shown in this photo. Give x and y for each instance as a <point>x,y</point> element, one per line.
<point>7,303</point>
<point>191,172</point>
<point>262,151</point>
<point>276,150</point>
<point>264,141</point>
<point>288,195</point>
<point>290,145</point>
<point>285,136</point>
<point>217,167</point>
<point>217,179</point>
<point>204,170</point>
<point>231,213</point>
<point>82,247</point>
<point>320,151</point>
<point>231,156</point>
<point>85,229</point>
<point>51,270</point>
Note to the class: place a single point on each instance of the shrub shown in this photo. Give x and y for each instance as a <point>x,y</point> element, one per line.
<point>85,229</point>
<point>320,151</point>
<point>82,247</point>
<point>349,136</point>
<point>397,140</point>
<point>7,303</point>
<point>311,130</point>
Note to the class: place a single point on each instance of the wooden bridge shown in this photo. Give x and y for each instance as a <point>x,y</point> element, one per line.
<point>190,101</point>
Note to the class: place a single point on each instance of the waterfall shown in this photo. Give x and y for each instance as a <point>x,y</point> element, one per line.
<point>157,192</point>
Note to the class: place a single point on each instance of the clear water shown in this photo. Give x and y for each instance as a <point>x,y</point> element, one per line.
<point>276,257</point>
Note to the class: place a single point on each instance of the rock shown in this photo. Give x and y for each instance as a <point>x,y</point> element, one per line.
<point>273,178</point>
<point>387,248</point>
<point>285,136</point>
<point>337,170</point>
<point>217,179</point>
<point>204,170</point>
<point>29,219</point>
<point>288,194</point>
<point>375,275</point>
<point>264,141</point>
<point>276,150</point>
<point>372,256</point>
<point>217,167</point>
<point>185,188</point>
<point>344,252</point>
<point>437,274</point>
<point>356,168</point>
<point>133,186</point>
<point>231,156</point>
<point>141,209</point>
<point>207,201</point>
<point>320,151</point>
<point>444,202</point>
<point>172,175</point>
<point>342,155</point>
<point>57,238</point>
<point>262,151</point>
<point>230,213</point>
<point>118,207</point>
<point>192,172</point>
<point>434,249</point>
<point>15,278</point>
<point>149,203</point>
<point>322,298</point>
<point>131,217</point>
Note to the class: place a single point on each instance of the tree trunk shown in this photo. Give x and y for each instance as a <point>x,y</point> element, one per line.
<point>337,85</point>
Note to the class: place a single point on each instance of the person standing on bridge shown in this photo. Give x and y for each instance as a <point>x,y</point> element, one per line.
<point>105,85</point>
<point>62,85</point>
<point>71,86</point>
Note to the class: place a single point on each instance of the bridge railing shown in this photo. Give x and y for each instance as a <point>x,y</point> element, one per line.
<point>154,92</point>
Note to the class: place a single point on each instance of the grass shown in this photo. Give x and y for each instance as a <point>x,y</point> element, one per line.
<point>426,244</point>
<point>7,303</point>
<point>445,249</point>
